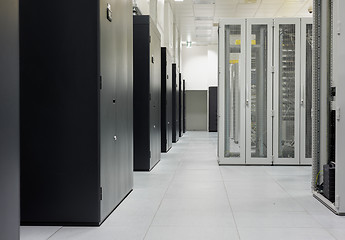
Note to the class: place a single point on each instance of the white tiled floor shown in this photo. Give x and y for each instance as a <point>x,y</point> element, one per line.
<point>188,196</point>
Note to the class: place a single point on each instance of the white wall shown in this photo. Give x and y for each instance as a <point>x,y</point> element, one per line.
<point>200,67</point>
<point>212,65</point>
<point>143,5</point>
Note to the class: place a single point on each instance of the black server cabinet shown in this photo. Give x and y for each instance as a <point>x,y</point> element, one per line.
<point>147,93</point>
<point>9,120</point>
<point>166,102</point>
<point>180,107</point>
<point>212,112</point>
<point>175,105</point>
<point>76,110</point>
<point>184,106</point>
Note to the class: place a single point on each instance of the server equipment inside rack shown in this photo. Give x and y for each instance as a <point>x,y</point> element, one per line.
<point>166,101</point>
<point>147,93</point>
<point>180,107</point>
<point>76,110</point>
<point>9,120</point>
<point>175,104</point>
<point>212,113</point>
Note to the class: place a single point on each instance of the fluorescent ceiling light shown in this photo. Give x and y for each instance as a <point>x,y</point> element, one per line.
<point>178,0</point>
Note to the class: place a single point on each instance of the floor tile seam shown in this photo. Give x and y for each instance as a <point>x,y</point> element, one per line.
<point>276,227</point>
<point>55,232</point>
<point>333,235</point>
<point>160,203</point>
<point>227,195</point>
<point>195,225</point>
<point>306,211</point>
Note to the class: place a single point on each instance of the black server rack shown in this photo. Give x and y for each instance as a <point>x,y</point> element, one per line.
<point>166,102</point>
<point>147,93</point>
<point>184,105</point>
<point>180,107</point>
<point>175,104</point>
<point>9,120</point>
<point>76,110</point>
<point>212,113</point>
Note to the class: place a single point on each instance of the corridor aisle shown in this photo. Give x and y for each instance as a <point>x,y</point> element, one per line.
<point>187,196</point>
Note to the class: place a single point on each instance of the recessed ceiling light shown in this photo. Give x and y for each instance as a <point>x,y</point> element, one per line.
<point>178,0</point>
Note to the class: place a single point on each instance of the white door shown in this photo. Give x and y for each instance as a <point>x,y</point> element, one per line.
<point>232,98</point>
<point>286,92</point>
<point>306,91</point>
<point>259,91</point>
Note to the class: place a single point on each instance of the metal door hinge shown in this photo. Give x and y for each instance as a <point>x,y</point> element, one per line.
<point>101,193</point>
<point>100,82</point>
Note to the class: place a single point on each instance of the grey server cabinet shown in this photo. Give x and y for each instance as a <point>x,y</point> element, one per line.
<point>212,112</point>
<point>166,102</point>
<point>147,93</point>
<point>175,104</point>
<point>9,120</point>
<point>76,110</point>
<point>184,105</point>
<point>180,107</point>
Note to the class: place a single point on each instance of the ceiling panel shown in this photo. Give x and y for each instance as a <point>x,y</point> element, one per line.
<point>196,18</point>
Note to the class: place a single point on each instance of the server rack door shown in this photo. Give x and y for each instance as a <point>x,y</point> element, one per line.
<point>108,135</point>
<point>212,93</point>
<point>180,130</point>
<point>122,166</point>
<point>286,126</point>
<point>259,91</point>
<point>232,99</point>
<point>164,103</point>
<point>60,135</point>
<point>184,105</point>
<point>155,91</point>
<point>175,104</point>
<point>169,101</point>
<point>306,91</point>
<point>142,105</point>
<point>9,120</point>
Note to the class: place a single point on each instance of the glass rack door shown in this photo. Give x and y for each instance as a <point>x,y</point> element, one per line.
<point>286,91</point>
<point>259,91</point>
<point>232,108</point>
<point>306,90</point>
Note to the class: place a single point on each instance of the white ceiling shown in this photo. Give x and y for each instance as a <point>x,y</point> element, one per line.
<point>198,19</point>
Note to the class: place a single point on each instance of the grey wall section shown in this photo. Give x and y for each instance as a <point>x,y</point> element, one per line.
<point>76,131</point>
<point>9,120</point>
<point>196,110</point>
